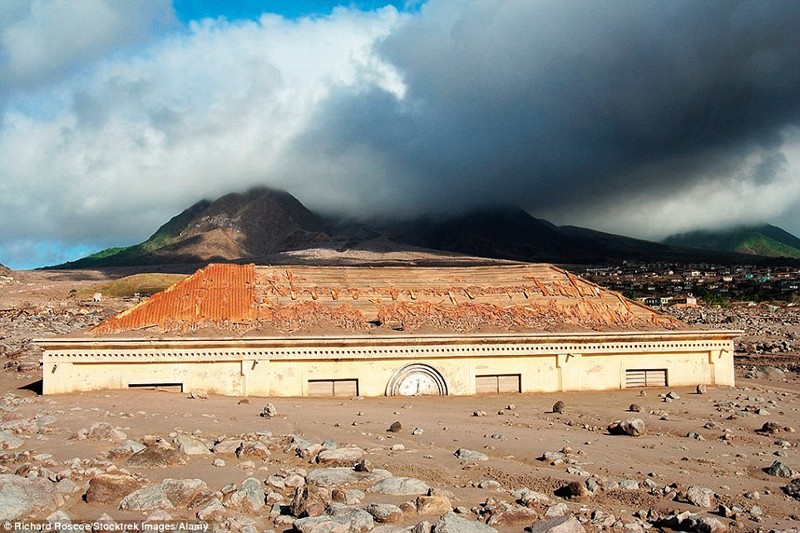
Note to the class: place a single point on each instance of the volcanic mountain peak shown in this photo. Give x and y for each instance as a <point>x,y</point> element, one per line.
<point>255,223</point>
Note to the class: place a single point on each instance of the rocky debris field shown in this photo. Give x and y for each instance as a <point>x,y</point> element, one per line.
<point>689,460</point>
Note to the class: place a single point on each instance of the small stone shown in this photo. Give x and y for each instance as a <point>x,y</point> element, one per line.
<point>559,524</point>
<point>770,427</point>
<point>633,427</point>
<point>634,408</point>
<point>701,388</point>
<point>672,395</point>
<point>396,427</point>
<point>269,411</point>
<point>559,407</point>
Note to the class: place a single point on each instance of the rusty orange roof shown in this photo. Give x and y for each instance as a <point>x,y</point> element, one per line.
<point>215,294</point>
<point>517,297</point>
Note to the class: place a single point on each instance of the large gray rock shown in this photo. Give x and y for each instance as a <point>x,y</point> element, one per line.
<point>452,523</point>
<point>340,456</point>
<point>559,524</point>
<point>248,497</point>
<point>400,486</point>
<point>337,519</point>
<point>470,455</point>
<point>345,477</point>
<point>27,497</point>
<point>781,469</point>
<point>385,513</point>
<point>191,445</point>
<point>700,496</point>
<point>168,494</point>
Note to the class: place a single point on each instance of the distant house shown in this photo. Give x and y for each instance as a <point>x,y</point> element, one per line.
<point>345,331</point>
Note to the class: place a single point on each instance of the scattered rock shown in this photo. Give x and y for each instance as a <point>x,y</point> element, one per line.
<point>770,427</point>
<point>470,455</point>
<point>435,504</point>
<point>452,523</point>
<point>559,524</point>
<point>634,408</point>
<point>211,511</point>
<point>701,497</point>
<point>780,469</point>
<point>168,494</point>
<point>633,427</point>
<point>191,445</point>
<point>349,455</point>
<point>25,497</point>
<point>249,497</point>
<point>161,454</point>
<point>400,486</point>
<point>385,513</point>
<point>672,395</point>
<point>396,427</point>
<point>336,519</point>
<point>574,490</point>
<point>269,411</point>
<point>110,488</point>
<point>793,489</point>
<point>344,477</point>
<point>559,407</point>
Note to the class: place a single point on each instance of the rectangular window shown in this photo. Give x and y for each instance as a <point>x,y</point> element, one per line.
<point>333,387</point>
<point>498,383</point>
<point>168,387</point>
<point>638,378</point>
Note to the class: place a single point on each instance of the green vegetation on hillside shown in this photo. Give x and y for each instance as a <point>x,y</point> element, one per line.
<point>764,240</point>
<point>129,286</point>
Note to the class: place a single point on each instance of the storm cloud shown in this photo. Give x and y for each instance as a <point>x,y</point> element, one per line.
<point>642,118</point>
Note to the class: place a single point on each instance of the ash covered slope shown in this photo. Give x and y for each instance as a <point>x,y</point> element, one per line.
<point>258,222</point>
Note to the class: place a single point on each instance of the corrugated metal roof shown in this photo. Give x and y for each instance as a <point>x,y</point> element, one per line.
<point>495,298</point>
<point>215,294</point>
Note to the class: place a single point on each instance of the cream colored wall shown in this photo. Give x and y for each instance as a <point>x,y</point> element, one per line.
<point>280,372</point>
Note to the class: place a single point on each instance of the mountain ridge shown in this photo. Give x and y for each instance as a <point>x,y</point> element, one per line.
<point>262,223</point>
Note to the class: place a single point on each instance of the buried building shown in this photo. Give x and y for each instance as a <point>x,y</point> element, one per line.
<point>370,331</point>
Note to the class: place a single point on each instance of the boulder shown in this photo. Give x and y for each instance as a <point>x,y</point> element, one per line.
<point>168,494</point>
<point>344,477</point>
<point>470,455</point>
<point>249,497</point>
<point>336,519</point>
<point>309,501</point>
<point>347,456</point>
<point>212,511</point>
<point>793,489</point>
<point>781,469</point>
<point>385,513</point>
<point>633,427</point>
<point>25,497</point>
<point>110,488</point>
<point>400,486</point>
<point>190,445</point>
<point>436,504</point>
<point>452,523</point>
<point>161,454</point>
<point>104,431</point>
<point>701,497</point>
